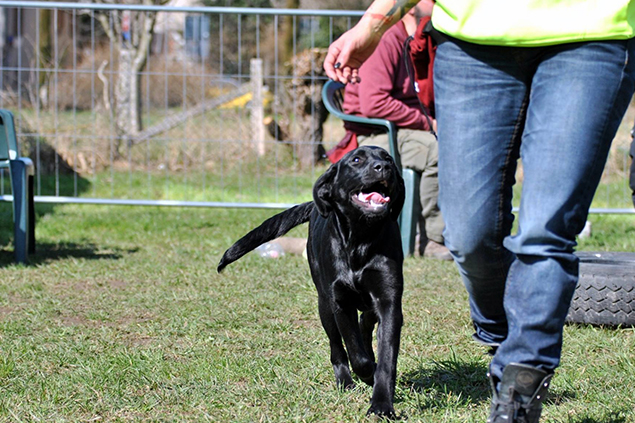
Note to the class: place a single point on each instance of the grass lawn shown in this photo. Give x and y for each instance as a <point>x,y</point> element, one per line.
<point>122,317</point>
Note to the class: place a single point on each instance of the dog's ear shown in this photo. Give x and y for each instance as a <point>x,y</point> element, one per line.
<point>400,197</point>
<point>323,191</point>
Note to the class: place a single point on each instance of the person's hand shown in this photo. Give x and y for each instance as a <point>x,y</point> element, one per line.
<point>347,53</point>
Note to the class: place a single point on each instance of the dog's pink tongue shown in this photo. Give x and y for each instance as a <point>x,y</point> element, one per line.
<point>375,197</point>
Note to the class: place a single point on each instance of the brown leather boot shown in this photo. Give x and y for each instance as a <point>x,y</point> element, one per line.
<point>518,397</point>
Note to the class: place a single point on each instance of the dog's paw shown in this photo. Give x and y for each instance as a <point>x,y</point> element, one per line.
<point>343,377</point>
<point>346,385</point>
<point>383,410</point>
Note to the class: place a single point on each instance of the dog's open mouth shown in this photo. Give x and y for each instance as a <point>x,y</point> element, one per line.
<point>372,198</point>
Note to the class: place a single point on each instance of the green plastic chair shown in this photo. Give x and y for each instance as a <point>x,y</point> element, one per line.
<point>409,217</point>
<point>21,171</point>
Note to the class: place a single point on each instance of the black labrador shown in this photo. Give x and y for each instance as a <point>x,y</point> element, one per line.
<point>355,256</point>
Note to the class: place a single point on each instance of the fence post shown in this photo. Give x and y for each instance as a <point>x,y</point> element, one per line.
<point>257,110</point>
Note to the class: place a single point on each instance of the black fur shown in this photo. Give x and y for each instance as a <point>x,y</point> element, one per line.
<point>355,257</point>
<point>270,229</point>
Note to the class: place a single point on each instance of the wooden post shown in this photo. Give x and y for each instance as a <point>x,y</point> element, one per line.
<point>257,108</point>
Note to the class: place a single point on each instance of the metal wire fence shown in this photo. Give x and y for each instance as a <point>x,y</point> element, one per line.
<point>222,111</point>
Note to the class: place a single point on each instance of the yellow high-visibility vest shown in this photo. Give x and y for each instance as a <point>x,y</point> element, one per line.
<point>535,22</point>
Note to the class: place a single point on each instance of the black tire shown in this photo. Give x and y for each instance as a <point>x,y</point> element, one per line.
<point>605,294</point>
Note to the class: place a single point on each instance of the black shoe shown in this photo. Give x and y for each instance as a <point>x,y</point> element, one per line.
<point>518,397</point>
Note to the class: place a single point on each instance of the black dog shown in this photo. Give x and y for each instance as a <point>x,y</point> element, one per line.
<point>355,256</point>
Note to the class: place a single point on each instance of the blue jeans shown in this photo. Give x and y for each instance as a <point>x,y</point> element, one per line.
<point>631,174</point>
<point>558,108</point>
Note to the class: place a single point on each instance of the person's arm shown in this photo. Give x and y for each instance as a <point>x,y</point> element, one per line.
<point>355,46</point>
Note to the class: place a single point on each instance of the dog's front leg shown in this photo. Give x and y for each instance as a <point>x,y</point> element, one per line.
<point>363,365</point>
<point>388,339</point>
<point>339,358</point>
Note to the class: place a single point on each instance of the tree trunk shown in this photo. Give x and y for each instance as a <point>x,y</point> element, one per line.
<point>127,98</point>
<point>45,43</point>
<point>287,36</point>
<point>308,108</point>
<point>132,33</point>
<point>312,115</point>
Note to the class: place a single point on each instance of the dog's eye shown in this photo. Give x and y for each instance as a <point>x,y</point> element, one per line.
<point>356,159</point>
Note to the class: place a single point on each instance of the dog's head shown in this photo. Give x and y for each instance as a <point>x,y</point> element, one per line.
<point>364,183</point>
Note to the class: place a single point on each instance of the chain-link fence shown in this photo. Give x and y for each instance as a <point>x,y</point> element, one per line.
<point>202,106</point>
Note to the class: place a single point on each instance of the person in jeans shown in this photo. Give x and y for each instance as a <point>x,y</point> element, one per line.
<point>549,81</point>
<point>386,91</point>
<point>631,174</point>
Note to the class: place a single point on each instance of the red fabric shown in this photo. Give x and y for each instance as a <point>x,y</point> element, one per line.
<point>385,91</point>
<point>348,143</point>
<point>422,51</point>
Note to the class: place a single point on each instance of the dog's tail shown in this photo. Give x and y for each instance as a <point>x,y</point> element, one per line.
<point>271,228</point>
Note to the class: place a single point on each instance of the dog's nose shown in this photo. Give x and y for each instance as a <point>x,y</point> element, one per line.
<point>378,167</point>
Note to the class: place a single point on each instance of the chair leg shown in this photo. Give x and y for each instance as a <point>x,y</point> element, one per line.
<point>409,216</point>
<point>31,202</point>
<point>21,170</point>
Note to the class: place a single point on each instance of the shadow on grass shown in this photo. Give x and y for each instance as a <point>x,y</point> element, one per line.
<point>610,417</point>
<point>465,380</point>
<point>46,252</point>
<point>467,383</point>
<point>50,252</point>
<point>65,185</point>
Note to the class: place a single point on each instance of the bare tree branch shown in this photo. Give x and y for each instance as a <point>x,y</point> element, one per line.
<point>104,20</point>
<point>105,91</point>
<point>145,40</point>
<point>132,33</point>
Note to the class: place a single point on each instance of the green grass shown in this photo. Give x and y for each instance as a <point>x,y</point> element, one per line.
<point>249,184</point>
<point>121,316</point>
<point>274,178</point>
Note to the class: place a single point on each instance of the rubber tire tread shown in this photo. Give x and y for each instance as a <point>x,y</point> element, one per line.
<point>605,294</point>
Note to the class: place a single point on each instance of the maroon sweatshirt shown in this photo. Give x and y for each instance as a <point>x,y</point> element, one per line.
<point>385,91</point>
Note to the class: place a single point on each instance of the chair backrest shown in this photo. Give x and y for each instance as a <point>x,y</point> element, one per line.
<point>333,98</point>
<point>8,140</point>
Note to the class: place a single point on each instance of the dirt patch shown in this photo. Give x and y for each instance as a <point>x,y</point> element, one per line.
<point>75,321</point>
<point>5,311</point>
<point>117,283</point>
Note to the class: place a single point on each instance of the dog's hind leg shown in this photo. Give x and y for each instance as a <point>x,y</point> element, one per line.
<point>367,322</point>
<point>339,358</point>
